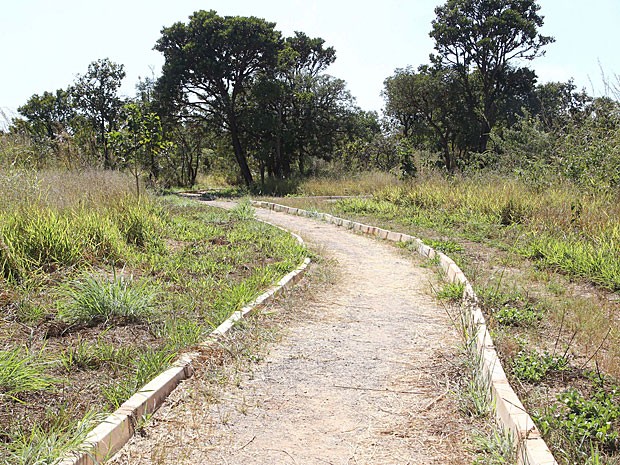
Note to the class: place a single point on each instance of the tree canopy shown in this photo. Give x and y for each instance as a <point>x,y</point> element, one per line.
<point>210,62</point>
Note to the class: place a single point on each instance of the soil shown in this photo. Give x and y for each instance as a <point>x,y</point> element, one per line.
<point>362,375</point>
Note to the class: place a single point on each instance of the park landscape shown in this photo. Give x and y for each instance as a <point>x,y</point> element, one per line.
<point>106,275</point>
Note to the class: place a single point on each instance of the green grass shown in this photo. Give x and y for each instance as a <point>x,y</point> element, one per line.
<point>42,446</point>
<point>106,289</point>
<point>91,300</point>
<point>493,447</point>
<point>22,372</point>
<point>145,367</point>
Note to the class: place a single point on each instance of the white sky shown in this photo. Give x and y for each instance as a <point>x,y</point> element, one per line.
<point>44,44</point>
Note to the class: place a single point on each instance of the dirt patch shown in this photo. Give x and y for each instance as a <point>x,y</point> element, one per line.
<point>362,376</point>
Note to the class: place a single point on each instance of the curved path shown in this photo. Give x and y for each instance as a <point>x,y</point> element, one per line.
<point>363,378</point>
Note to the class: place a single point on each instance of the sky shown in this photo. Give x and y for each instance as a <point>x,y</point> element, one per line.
<point>45,44</point>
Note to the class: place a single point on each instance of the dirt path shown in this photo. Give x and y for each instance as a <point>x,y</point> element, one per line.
<point>363,378</point>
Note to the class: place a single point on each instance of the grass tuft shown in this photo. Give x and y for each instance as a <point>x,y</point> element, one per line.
<point>22,372</point>
<point>92,300</point>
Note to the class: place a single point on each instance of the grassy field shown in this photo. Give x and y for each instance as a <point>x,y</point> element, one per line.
<point>99,291</point>
<point>546,266</point>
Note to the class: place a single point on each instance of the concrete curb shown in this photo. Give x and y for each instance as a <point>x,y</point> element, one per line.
<point>509,411</point>
<point>112,434</point>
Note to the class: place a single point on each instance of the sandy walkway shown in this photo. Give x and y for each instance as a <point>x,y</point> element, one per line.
<point>362,379</point>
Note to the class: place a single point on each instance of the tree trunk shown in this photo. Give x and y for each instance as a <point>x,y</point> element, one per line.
<point>240,154</point>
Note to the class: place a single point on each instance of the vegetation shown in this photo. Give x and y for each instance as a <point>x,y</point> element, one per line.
<point>100,289</point>
<point>518,180</point>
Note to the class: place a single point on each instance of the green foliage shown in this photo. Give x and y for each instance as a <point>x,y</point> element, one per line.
<point>451,291</point>
<point>50,445</point>
<point>480,39</point>
<point>517,316</point>
<point>493,447</point>
<point>140,224</point>
<point>94,300</point>
<point>592,258</point>
<point>446,246</point>
<point>148,364</point>
<point>182,333</point>
<point>214,56</point>
<point>242,211</point>
<point>96,98</point>
<point>139,141</point>
<point>533,367</point>
<point>85,355</point>
<point>22,372</point>
<point>578,427</point>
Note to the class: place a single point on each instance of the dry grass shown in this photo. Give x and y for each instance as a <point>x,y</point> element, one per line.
<point>355,184</point>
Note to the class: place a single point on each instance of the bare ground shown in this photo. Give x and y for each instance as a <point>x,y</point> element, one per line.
<point>362,375</point>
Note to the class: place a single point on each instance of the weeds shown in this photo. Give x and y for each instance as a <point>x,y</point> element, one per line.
<point>148,364</point>
<point>534,367</point>
<point>452,292</point>
<point>493,447</point>
<point>242,211</point>
<point>446,246</point>
<point>582,428</point>
<point>515,316</point>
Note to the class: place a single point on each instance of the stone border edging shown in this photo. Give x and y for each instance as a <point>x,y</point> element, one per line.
<point>109,436</point>
<point>509,411</point>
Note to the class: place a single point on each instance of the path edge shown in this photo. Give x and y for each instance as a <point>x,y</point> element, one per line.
<point>509,411</point>
<point>111,434</point>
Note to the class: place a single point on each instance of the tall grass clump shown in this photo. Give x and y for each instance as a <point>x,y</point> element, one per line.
<point>92,218</point>
<point>22,372</point>
<point>364,183</point>
<point>93,300</point>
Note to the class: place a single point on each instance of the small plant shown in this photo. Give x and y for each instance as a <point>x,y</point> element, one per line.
<point>242,211</point>
<point>87,356</point>
<point>445,246</point>
<point>29,312</point>
<point>50,445</point>
<point>182,333</point>
<point>21,372</point>
<point>533,367</point>
<point>93,300</point>
<point>452,292</point>
<point>493,447</point>
<point>148,365</point>
<point>474,394</point>
<point>515,316</point>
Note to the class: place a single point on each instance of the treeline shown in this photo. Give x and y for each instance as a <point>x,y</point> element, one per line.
<point>232,90</point>
<point>235,96</point>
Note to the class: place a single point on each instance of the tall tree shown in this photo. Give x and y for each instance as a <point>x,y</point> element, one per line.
<point>480,39</point>
<point>48,114</point>
<point>430,107</point>
<point>210,62</point>
<point>96,97</point>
